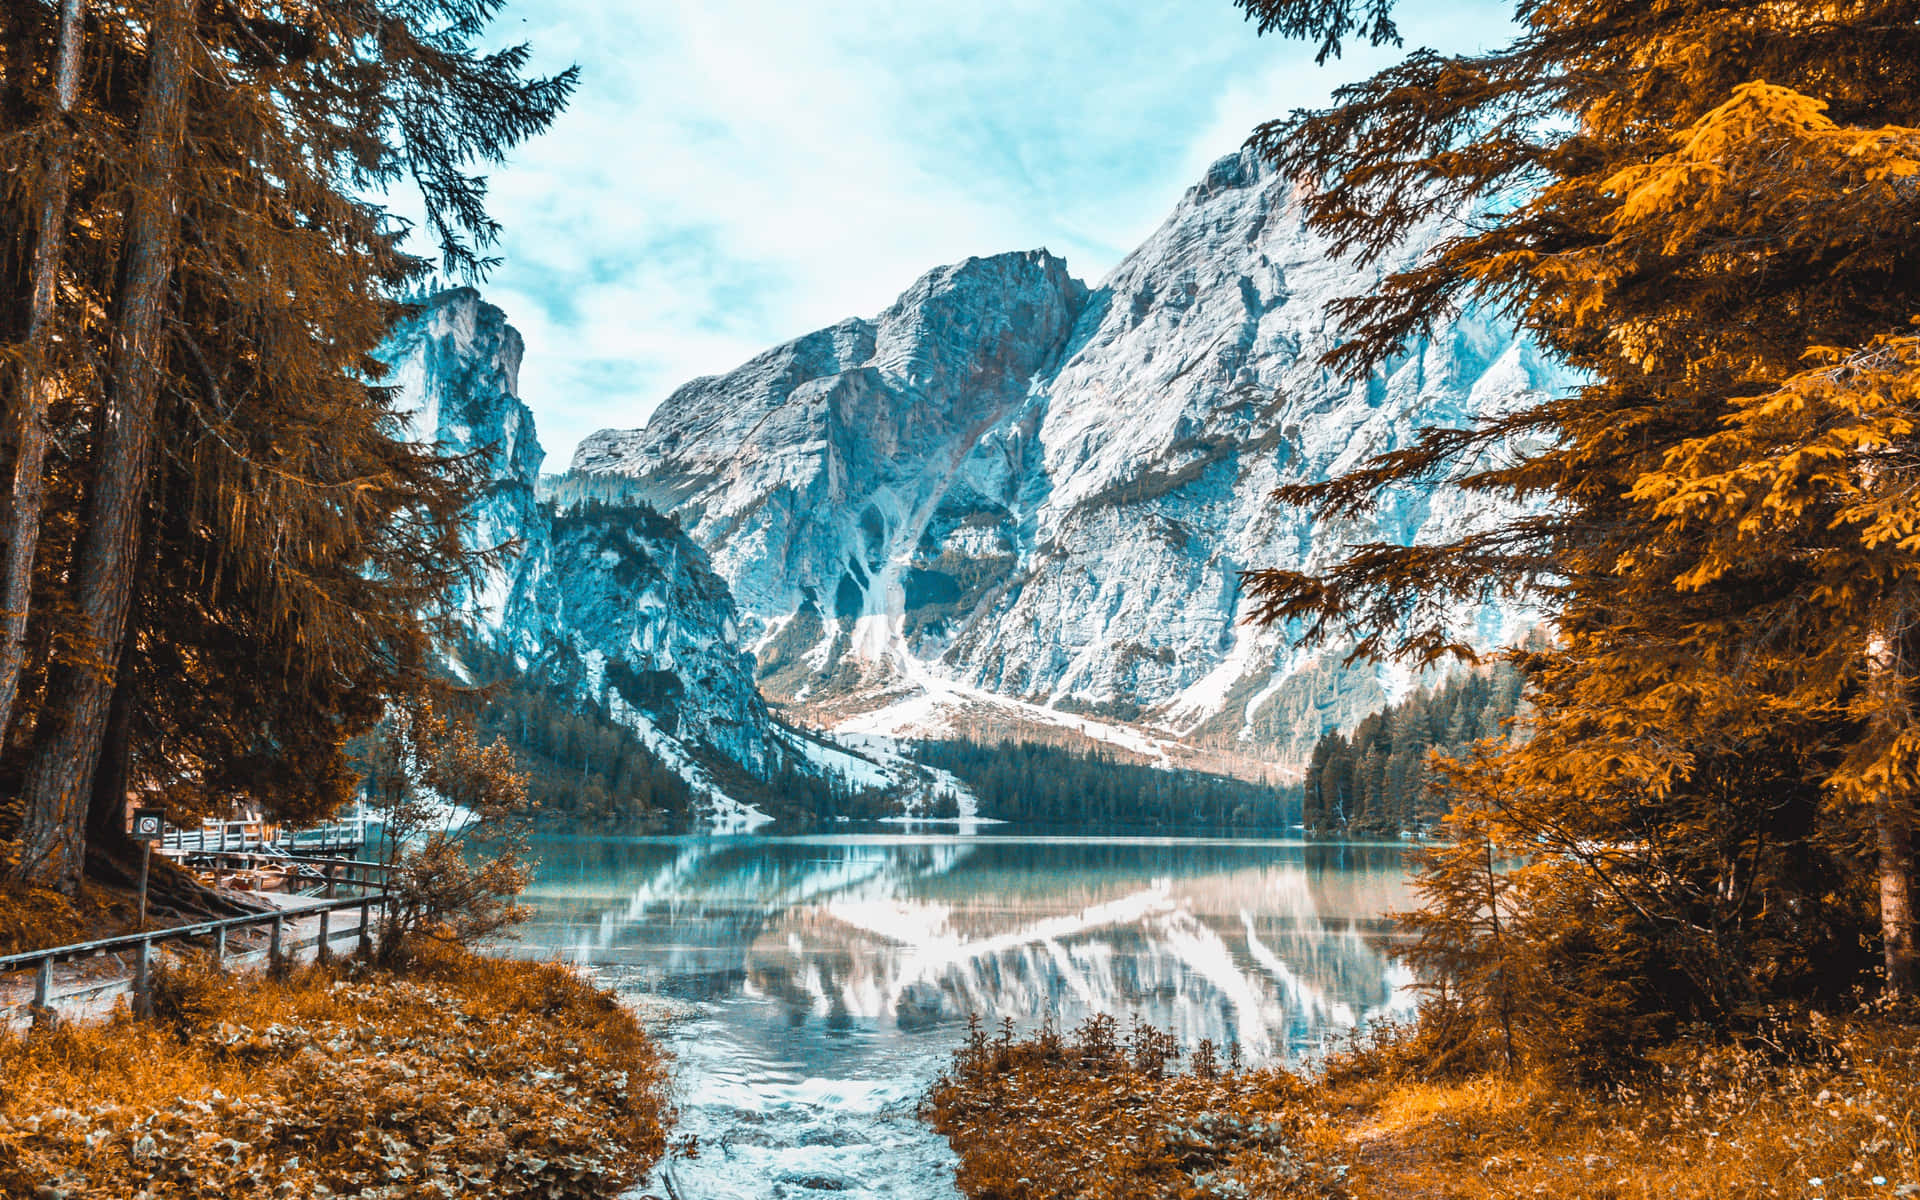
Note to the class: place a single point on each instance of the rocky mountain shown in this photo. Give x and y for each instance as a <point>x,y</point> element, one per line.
<point>1014,495</point>
<point>807,470</point>
<point>609,604</point>
<point>456,367</point>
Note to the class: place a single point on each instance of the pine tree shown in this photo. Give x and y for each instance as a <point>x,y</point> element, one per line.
<point>1812,480</point>
<point>72,725</point>
<point>32,403</point>
<point>1681,201</point>
<point>240,471</point>
<point>1315,811</point>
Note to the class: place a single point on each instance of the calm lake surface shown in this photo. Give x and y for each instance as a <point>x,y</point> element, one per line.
<point>826,979</point>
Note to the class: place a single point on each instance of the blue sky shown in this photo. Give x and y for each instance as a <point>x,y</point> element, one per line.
<point>735,173</point>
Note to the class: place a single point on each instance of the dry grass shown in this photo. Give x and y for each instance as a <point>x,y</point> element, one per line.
<point>31,918</point>
<point>1813,1107</point>
<point>1099,1116</point>
<point>465,1076</point>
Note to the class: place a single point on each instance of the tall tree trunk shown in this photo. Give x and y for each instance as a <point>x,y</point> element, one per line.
<point>28,495</point>
<point>107,797</point>
<point>1893,827</point>
<point>73,720</point>
<point>1499,950</point>
<point>112,855</point>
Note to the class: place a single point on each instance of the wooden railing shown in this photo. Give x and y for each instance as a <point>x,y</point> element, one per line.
<point>224,836</point>
<point>219,836</point>
<point>279,946</point>
<point>330,873</point>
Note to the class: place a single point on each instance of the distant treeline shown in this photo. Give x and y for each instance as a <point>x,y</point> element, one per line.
<point>799,795</point>
<point>1374,783</point>
<point>1024,781</point>
<point>585,770</point>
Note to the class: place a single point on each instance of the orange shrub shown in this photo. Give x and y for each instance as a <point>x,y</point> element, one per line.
<point>466,1077</point>
<point>1811,1107</point>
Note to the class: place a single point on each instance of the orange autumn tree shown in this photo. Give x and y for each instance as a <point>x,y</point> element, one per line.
<point>224,552</point>
<point>1684,201</point>
<point>1814,479</point>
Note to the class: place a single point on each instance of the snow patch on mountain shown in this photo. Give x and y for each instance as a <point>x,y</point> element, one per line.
<point>934,706</point>
<point>1010,488</point>
<point>610,603</point>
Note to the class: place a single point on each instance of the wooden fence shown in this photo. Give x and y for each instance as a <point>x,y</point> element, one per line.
<point>335,873</point>
<point>348,835</point>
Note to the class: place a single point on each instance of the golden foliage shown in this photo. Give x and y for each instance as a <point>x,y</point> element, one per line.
<point>454,827</point>
<point>1810,1106</point>
<point>1706,211</point>
<point>466,1077</point>
<point>1095,1116</point>
<point>35,917</point>
<point>1816,472</point>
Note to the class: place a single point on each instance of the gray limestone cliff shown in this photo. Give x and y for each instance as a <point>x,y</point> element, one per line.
<point>1009,485</point>
<point>613,605</point>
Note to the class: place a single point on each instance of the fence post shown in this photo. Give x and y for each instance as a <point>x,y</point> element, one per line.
<point>142,980</point>
<point>326,923</point>
<point>366,941</point>
<point>43,993</point>
<point>220,948</point>
<point>273,947</point>
<point>332,887</point>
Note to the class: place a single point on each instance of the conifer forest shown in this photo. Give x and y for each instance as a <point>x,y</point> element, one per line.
<point>1353,632</point>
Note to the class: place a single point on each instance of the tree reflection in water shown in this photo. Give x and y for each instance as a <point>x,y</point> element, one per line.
<point>1273,945</point>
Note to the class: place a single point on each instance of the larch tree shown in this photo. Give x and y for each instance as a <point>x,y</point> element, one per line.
<point>260,544</point>
<point>1683,201</point>
<point>32,404</point>
<point>72,723</point>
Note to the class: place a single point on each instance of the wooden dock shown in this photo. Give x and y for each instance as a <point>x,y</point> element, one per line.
<point>347,838</point>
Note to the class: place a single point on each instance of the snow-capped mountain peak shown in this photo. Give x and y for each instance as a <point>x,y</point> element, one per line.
<point>1045,493</point>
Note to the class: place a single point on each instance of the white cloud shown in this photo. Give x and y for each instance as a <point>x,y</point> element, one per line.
<point>734,173</point>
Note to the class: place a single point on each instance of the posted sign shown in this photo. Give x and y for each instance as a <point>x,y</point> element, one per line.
<point>149,824</point>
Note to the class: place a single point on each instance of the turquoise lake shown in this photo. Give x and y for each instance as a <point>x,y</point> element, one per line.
<point>820,982</point>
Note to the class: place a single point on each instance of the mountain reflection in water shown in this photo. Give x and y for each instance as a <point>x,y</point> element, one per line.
<point>832,975</point>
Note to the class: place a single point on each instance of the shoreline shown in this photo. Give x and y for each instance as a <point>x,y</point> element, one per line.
<point>1112,1112</point>
<point>455,1072</point>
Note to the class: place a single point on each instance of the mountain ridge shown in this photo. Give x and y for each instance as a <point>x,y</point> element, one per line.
<point>1011,485</point>
<point>609,606</point>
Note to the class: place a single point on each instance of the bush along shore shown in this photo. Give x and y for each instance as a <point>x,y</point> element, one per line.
<point>1804,1106</point>
<point>448,1074</point>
